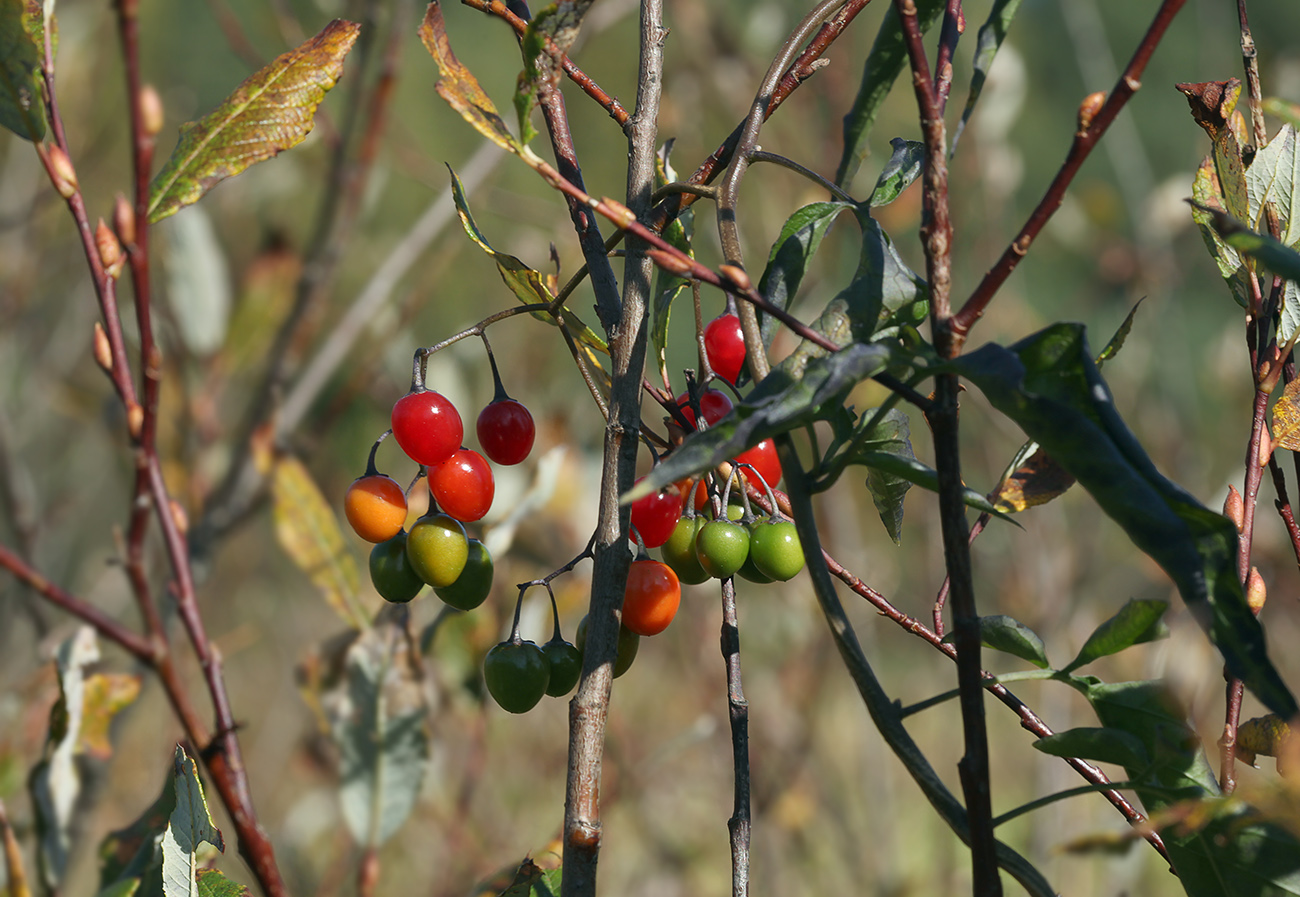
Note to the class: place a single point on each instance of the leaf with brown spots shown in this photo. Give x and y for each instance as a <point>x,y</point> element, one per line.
<point>1286,418</point>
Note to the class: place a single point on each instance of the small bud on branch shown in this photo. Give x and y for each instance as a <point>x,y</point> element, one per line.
<point>62,172</point>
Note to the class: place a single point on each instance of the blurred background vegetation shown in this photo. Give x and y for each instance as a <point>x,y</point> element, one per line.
<point>834,811</point>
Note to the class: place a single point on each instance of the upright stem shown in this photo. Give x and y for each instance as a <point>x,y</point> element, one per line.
<point>588,711</point>
<point>738,826</point>
<point>1253,91</point>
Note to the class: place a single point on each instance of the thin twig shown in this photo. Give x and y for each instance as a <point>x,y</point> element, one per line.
<point>1254,92</point>
<point>738,826</point>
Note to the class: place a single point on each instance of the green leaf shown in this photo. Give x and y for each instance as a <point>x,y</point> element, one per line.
<point>533,881</point>
<point>1138,621</point>
<point>892,435</point>
<point>22,49</point>
<point>887,58</point>
<point>133,853</point>
<point>991,35</point>
<point>379,726</point>
<point>919,474</point>
<point>788,260</point>
<point>527,284</point>
<point>1049,385</point>
<point>213,884</point>
<point>902,169</point>
<point>1008,635</point>
<point>1100,745</point>
<point>1206,193</point>
<point>273,110</point>
<point>1271,179</point>
<point>189,826</point>
<point>668,286</point>
<point>1280,259</point>
<point>791,395</point>
<point>1117,340</point>
<point>55,783</point>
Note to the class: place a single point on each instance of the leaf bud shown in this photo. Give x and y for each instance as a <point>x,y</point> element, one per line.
<point>110,250</point>
<point>1234,509</point>
<point>737,276</point>
<point>673,264</point>
<point>1256,593</point>
<point>124,220</point>
<point>1089,108</point>
<point>103,352</point>
<point>151,110</point>
<point>62,173</point>
<point>135,420</point>
<point>618,213</point>
<point>179,517</point>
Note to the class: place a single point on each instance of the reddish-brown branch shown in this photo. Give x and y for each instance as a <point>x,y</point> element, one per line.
<point>1283,504</point>
<point>1084,141</point>
<point>1254,92</point>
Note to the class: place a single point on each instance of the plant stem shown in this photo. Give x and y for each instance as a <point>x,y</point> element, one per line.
<point>738,826</point>
<point>1250,62</point>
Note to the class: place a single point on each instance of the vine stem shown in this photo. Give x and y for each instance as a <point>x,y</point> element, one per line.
<point>589,709</point>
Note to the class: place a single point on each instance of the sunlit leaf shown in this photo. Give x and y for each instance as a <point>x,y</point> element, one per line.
<point>1100,745</point>
<point>213,884</point>
<point>1265,735</point>
<point>991,35</point>
<point>1271,179</point>
<point>1049,385</point>
<point>532,880</point>
<point>1117,340</point>
<point>791,253</point>
<point>550,34</point>
<point>378,722</point>
<point>1136,622</point>
<point>900,172</point>
<point>308,530</point>
<point>55,783</point>
<point>1207,194</point>
<point>921,475</point>
<point>1286,418</point>
<point>189,826</point>
<point>1281,260</point>
<point>1008,635</point>
<point>1035,479</point>
<point>21,51</point>
<point>273,110</point>
<point>887,58</point>
<point>105,695</point>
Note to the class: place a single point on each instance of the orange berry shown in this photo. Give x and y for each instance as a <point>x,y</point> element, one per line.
<point>375,505</point>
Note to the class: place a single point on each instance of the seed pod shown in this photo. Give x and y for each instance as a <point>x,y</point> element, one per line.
<point>1234,509</point>
<point>64,175</point>
<point>1256,593</point>
<point>110,250</point>
<point>1089,108</point>
<point>151,110</point>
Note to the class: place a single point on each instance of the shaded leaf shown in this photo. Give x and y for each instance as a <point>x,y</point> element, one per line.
<point>528,285</point>
<point>533,881</point>
<point>1136,622</point>
<point>884,63</point>
<point>133,854</point>
<point>550,34</point>
<point>1281,260</point>
<point>1286,418</point>
<point>55,783</point>
<point>891,436</point>
<point>1098,745</point>
<point>991,35</point>
<point>273,110</point>
<point>308,530</point>
<point>790,396</point>
<point>378,721</point>
<point>668,286</point>
<point>788,259</point>
<point>1035,479</point>
<point>105,695</point>
<point>902,169</point>
<point>22,49</point>
<point>213,884</point>
<point>921,475</point>
<point>1008,635</point>
<point>461,89</point>
<point>1117,340</point>
<point>189,826</point>
<point>1049,385</point>
<point>1207,194</point>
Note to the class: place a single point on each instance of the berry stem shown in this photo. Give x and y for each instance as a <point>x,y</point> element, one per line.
<point>499,393</point>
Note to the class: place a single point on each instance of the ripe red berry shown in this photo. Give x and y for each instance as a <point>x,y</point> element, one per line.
<point>764,459</point>
<point>656,515</point>
<point>713,403</point>
<point>724,344</point>
<point>463,485</point>
<point>427,426</point>
<point>506,431</point>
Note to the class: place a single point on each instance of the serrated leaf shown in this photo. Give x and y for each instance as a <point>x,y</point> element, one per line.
<point>22,49</point>
<point>213,884</point>
<point>189,826</point>
<point>273,110</point>
<point>788,259</point>
<point>461,89</point>
<point>919,474</point>
<point>1281,260</point>
<point>1049,385</point>
<point>902,169</point>
<point>55,783</point>
<point>790,396</point>
<point>884,63</point>
<point>991,35</point>
<point>308,530</point>
<point>105,695</point>
<point>1271,179</point>
<point>1137,622</point>
<point>1100,745</point>
<point>1008,635</point>
<point>378,722</point>
<point>892,435</point>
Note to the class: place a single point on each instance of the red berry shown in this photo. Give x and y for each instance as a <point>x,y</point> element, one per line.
<point>652,597</point>
<point>463,485</point>
<point>763,458</point>
<point>656,515</point>
<point>724,344</point>
<point>713,402</point>
<point>427,427</point>
<point>505,430</point>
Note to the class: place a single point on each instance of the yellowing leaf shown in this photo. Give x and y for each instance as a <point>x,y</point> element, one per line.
<point>273,110</point>
<point>1286,418</point>
<point>1036,481</point>
<point>105,695</point>
<point>309,532</point>
<point>1263,735</point>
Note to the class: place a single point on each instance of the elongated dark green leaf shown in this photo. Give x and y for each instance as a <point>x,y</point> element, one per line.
<point>919,474</point>
<point>1049,385</point>
<point>887,58</point>
<point>1100,745</point>
<point>900,172</point>
<point>1138,621</point>
<point>273,110</point>
<point>1117,340</point>
<point>891,436</point>
<point>189,826</point>
<point>1007,634</point>
<point>794,248</point>
<point>21,51</point>
<point>131,858</point>
<point>668,286</point>
<point>790,396</point>
<point>991,35</point>
<point>1280,259</point>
